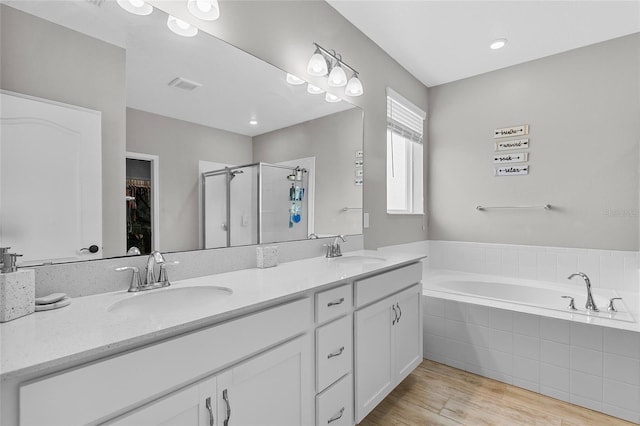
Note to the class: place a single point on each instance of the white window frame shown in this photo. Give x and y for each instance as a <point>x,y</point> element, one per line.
<point>414,185</point>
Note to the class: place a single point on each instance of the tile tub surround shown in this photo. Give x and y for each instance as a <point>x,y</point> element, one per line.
<point>99,276</point>
<point>591,366</point>
<point>613,269</point>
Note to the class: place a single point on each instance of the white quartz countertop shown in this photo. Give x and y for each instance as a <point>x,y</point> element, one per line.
<point>86,328</point>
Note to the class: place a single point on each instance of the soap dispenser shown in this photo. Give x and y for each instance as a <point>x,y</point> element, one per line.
<point>17,289</point>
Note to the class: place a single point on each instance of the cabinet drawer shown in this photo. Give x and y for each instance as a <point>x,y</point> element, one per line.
<point>333,303</point>
<point>334,349</point>
<point>335,405</point>
<point>371,289</point>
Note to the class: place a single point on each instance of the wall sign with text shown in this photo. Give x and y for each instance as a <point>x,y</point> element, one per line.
<point>516,157</point>
<point>512,170</point>
<point>507,132</point>
<point>512,144</point>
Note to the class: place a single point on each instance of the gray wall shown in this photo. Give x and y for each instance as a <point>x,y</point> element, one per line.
<point>333,141</point>
<point>180,145</point>
<point>42,59</point>
<point>583,108</point>
<point>282,33</point>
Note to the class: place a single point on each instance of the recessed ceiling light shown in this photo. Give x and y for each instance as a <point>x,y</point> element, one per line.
<point>330,97</point>
<point>253,122</point>
<point>498,43</point>
<point>137,7</point>
<point>314,90</point>
<point>181,27</point>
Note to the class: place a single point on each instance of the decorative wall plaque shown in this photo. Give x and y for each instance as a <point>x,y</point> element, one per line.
<point>513,144</point>
<point>507,132</point>
<point>512,170</point>
<point>516,157</point>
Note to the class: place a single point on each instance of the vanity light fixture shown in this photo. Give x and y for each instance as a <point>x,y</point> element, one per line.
<point>137,7</point>
<point>314,90</point>
<point>325,63</point>
<point>498,43</point>
<point>294,80</point>
<point>330,97</point>
<point>354,86</point>
<point>181,27</point>
<point>207,10</point>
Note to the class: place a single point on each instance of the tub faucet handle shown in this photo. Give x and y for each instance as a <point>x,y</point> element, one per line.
<point>572,305</point>
<point>612,307</point>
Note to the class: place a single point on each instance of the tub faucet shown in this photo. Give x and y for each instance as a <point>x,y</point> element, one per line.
<point>590,305</point>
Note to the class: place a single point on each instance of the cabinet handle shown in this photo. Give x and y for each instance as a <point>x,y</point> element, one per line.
<point>208,404</point>
<point>400,311</point>
<point>339,302</point>
<point>337,353</point>
<point>395,315</point>
<point>225,396</point>
<point>337,416</point>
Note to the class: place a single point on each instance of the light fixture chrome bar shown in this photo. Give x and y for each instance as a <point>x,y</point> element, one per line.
<point>545,207</point>
<point>335,56</point>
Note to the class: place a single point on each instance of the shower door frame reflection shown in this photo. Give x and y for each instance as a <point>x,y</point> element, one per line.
<point>229,173</point>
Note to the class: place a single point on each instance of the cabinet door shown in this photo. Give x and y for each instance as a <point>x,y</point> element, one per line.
<point>407,333</point>
<point>373,355</point>
<point>192,406</point>
<point>274,388</point>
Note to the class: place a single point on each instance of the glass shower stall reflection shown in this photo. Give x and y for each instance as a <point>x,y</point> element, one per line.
<point>257,203</point>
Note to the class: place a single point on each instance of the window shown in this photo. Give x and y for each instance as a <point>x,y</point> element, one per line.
<point>405,124</point>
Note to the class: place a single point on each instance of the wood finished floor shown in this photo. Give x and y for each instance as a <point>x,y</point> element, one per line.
<point>435,394</point>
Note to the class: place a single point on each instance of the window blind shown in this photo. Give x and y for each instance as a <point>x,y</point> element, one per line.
<point>403,121</point>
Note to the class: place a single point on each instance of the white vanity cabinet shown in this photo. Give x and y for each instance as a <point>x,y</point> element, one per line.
<point>270,389</point>
<point>388,335</point>
<point>194,405</point>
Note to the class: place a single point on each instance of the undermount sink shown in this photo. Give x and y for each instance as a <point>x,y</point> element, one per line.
<point>171,299</point>
<point>359,259</point>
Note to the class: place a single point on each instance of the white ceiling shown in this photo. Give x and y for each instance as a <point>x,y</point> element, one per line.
<point>236,86</point>
<point>443,41</point>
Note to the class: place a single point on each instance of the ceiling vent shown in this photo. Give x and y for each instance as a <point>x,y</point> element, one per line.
<point>183,83</point>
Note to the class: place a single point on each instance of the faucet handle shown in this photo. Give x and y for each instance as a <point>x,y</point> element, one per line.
<point>612,307</point>
<point>136,281</point>
<point>164,277</point>
<point>572,305</point>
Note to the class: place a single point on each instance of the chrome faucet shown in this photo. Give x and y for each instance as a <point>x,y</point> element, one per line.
<point>155,258</point>
<point>333,250</point>
<point>590,305</point>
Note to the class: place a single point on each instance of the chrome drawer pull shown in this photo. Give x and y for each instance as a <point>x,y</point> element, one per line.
<point>339,302</point>
<point>225,397</point>
<point>337,353</point>
<point>336,417</point>
<point>208,405</point>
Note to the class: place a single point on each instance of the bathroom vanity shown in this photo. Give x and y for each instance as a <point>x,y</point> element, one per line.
<point>316,341</point>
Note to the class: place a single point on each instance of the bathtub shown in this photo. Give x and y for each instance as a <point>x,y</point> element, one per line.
<point>538,295</point>
<point>521,332</point>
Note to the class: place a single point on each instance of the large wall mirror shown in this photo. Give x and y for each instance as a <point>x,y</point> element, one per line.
<point>196,144</point>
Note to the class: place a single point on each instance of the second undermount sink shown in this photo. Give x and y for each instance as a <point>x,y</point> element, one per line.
<point>158,302</point>
<point>359,259</point>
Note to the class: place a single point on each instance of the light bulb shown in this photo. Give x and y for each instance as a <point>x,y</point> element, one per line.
<point>314,90</point>
<point>330,97</point>
<point>354,87</point>
<point>317,65</point>
<point>137,7</point>
<point>207,10</point>
<point>337,76</point>
<point>180,27</point>
<point>292,79</point>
